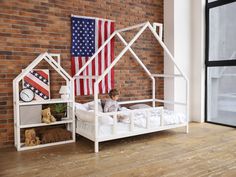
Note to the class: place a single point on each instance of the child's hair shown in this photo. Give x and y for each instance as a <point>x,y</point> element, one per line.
<point>113,92</point>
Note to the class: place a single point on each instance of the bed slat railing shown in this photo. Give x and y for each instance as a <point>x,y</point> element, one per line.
<point>114,124</point>
<point>135,101</point>
<point>147,115</point>
<point>167,75</point>
<point>125,111</point>
<point>132,121</point>
<point>170,102</point>
<point>161,117</point>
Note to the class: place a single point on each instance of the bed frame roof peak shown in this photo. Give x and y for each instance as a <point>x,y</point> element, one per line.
<point>143,26</point>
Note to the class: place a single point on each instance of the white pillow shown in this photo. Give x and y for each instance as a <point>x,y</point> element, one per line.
<point>80,106</point>
<point>84,115</point>
<point>91,102</point>
<point>139,106</point>
<point>92,106</point>
<point>106,120</point>
<point>88,116</point>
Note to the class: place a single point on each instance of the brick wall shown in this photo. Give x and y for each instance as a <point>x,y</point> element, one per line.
<point>29,27</point>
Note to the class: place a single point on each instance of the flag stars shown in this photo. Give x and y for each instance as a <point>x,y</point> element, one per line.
<point>83,38</point>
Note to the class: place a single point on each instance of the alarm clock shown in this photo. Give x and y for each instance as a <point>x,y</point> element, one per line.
<point>26,95</point>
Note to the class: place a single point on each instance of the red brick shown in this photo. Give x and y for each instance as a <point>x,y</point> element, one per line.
<point>28,28</point>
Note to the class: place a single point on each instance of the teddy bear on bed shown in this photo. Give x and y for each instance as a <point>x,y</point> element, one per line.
<point>47,117</point>
<point>30,138</point>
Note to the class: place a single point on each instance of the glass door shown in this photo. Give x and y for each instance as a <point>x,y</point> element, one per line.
<point>221,62</point>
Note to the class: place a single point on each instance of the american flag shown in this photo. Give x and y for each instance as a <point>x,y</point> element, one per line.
<point>88,34</point>
<point>38,81</point>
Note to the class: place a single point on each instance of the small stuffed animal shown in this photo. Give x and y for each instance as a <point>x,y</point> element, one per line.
<point>30,138</point>
<point>47,117</point>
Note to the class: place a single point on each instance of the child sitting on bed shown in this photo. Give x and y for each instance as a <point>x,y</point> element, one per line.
<point>111,105</point>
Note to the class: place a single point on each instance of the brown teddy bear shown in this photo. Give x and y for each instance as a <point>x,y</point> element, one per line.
<point>47,117</point>
<point>30,138</point>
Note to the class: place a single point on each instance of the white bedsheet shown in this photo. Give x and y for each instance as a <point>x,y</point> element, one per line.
<point>169,117</point>
<point>105,129</point>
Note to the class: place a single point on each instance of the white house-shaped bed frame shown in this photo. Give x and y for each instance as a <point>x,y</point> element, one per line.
<point>158,37</point>
<point>17,103</point>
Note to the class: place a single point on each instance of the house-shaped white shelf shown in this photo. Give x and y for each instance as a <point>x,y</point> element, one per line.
<point>17,103</point>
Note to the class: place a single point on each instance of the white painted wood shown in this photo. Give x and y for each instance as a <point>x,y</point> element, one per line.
<point>167,75</point>
<point>132,121</point>
<point>127,111</point>
<point>73,109</point>
<point>29,68</point>
<point>121,54</point>
<point>135,56</point>
<point>57,67</point>
<point>167,51</point>
<point>161,118</point>
<point>58,56</point>
<point>114,124</point>
<point>142,65</point>
<point>132,27</point>
<point>44,124</point>
<point>153,92</point>
<point>133,131</point>
<point>160,29</point>
<point>147,113</point>
<point>23,148</point>
<point>170,102</point>
<point>17,103</point>
<point>51,101</point>
<point>85,134</point>
<point>135,101</point>
<point>96,146</point>
<point>140,132</point>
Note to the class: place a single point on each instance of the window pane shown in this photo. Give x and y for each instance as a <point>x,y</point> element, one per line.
<point>222,32</point>
<point>221,95</point>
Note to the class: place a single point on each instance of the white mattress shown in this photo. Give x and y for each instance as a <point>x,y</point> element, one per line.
<point>106,129</point>
<point>103,129</point>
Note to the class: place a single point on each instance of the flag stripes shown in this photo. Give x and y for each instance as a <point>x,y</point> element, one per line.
<point>38,82</point>
<point>103,30</point>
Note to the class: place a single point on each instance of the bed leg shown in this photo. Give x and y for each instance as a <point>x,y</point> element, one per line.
<point>96,146</point>
<point>186,129</point>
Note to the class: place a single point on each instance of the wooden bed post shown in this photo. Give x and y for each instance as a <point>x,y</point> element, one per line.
<point>96,146</point>
<point>187,128</point>
<point>96,143</point>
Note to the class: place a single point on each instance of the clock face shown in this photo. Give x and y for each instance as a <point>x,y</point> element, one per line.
<point>26,95</point>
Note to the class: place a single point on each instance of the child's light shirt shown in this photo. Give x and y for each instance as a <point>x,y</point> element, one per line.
<point>111,106</point>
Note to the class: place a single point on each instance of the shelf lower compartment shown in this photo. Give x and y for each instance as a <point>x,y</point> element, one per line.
<point>22,148</point>
<point>44,124</point>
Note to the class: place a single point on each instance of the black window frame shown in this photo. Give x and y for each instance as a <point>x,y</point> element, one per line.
<point>217,63</point>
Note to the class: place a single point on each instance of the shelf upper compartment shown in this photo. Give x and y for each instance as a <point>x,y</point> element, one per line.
<point>44,124</point>
<point>51,101</point>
